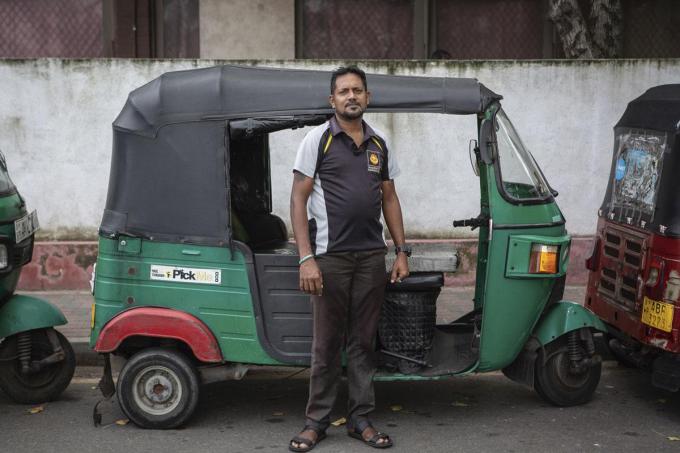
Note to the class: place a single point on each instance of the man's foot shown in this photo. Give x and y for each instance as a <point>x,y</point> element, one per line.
<point>306,440</point>
<point>370,436</point>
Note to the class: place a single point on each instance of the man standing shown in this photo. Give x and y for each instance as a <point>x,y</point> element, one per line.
<point>343,178</point>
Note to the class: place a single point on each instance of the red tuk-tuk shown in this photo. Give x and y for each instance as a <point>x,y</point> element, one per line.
<point>634,281</point>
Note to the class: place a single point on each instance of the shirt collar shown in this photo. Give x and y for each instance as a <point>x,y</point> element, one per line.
<point>336,129</point>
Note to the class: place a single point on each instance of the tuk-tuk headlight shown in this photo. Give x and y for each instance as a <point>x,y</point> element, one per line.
<point>544,259</point>
<point>3,256</point>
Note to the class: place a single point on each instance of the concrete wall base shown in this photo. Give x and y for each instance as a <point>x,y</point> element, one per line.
<point>66,265</point>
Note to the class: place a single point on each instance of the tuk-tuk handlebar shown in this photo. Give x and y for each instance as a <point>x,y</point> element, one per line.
<point>473,223</point>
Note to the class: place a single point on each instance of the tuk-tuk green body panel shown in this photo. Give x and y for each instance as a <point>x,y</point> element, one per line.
<point>512,306</point>
<point>565,316</point>
<point>123,280</point>
<point>513,299</point>
<point>24,313</point>
<point>11,208</point>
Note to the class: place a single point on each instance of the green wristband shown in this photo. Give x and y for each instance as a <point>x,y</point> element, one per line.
<point>305,258</point>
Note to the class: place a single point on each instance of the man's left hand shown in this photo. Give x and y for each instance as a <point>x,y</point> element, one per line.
<point>399,268</point>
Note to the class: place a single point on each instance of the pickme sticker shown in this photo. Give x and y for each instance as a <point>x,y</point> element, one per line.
<point>186,274</point>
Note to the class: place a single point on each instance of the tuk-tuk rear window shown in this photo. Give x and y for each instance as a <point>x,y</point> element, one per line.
<point>637,166</point>
<point>521,178</point>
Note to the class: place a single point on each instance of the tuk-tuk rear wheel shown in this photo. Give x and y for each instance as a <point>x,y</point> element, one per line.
<point>37,386</point>
<point>158,388</point>
<point>557,382</point>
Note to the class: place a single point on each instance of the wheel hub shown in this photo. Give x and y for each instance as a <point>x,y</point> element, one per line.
<point>568,375</point>
<point>157,390</point>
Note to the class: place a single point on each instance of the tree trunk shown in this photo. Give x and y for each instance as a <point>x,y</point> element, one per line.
<point>606,24</point>
<point>571,28</point>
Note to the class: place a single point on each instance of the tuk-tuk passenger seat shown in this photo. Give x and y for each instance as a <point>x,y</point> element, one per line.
<point>262,230</point>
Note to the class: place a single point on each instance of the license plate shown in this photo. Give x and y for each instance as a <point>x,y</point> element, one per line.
<point>657,314</point>
<point>26,226</point>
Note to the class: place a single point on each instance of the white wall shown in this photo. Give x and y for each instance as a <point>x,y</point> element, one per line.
<point>247,29</point>
<point>55,130</point>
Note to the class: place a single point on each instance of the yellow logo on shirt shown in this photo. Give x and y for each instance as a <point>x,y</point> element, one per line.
<point>373,159</point>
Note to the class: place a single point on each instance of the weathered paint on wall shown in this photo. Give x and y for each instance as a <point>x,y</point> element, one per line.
<point>247,28</point>
<point>59,266</point>
<point>55,130</point>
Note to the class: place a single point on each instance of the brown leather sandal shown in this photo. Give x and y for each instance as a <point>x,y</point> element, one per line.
<point>357,431</point>
<point>309,443</point>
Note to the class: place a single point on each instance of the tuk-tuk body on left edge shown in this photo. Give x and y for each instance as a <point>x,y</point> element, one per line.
<point>196,279</point>
<point>36,361</point>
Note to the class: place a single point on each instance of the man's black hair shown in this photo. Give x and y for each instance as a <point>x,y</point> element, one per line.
<point>352,69</point>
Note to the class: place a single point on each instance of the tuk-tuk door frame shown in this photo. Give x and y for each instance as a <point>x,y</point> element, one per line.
<point>484,160</point>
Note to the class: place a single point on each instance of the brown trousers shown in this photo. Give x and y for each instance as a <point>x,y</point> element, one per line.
<point>346,315</point>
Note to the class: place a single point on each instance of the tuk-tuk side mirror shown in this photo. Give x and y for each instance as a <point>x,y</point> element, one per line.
<point>473,150</point>
<point>487,137</point>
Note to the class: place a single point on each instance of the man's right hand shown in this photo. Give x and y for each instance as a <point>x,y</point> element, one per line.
<point>311,280</point>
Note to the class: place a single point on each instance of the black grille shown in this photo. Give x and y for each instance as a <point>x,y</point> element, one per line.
<point>611,251</point>
<point>621,266</point>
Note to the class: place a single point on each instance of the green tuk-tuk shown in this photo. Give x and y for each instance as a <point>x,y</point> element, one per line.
<point>196,278</point>
<point>36,361</point>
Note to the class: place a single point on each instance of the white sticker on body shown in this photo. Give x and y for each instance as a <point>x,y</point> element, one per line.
<point>186,274</point>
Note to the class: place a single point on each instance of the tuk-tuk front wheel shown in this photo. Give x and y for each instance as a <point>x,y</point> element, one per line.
<point>158,388</point>
<point>557,380</point>
<point>47,374</point>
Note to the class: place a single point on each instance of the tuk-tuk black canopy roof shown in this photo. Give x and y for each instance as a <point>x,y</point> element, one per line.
<point>170,177</point>
<point>656,112</point>
<point>242,92</point>
<point>658,109</point>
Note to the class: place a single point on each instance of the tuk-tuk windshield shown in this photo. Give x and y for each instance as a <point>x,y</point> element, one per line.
<point>520,176</point>
<point>6,184</point>
<point>638,163</point>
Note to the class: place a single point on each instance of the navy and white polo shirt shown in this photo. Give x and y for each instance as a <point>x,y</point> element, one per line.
<point>345,206</point>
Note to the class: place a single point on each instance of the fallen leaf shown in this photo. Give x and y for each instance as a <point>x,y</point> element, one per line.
<point>673,438</point>
<point>661,400</point>
<point>36,410</point>
<point>122,422</point>
<point>459,404</point>
<point>396,407</point>
<point>278,414</point>
<point>339,422</point>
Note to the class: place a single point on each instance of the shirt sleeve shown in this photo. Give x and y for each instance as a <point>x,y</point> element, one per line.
<point>307,154</point>
<point>391,169</point>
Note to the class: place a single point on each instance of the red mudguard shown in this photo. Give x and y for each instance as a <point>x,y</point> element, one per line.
<point>160,323</point>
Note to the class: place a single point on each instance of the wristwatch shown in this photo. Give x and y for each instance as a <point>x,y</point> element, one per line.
<point>405,248</point>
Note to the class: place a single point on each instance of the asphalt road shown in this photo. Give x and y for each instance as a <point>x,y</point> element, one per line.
<point>260,413</point>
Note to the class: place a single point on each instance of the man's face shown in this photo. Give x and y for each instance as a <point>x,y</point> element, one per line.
<point>350,98</point>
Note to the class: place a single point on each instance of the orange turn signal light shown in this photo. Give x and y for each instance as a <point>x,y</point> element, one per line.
<point>544,259</point>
